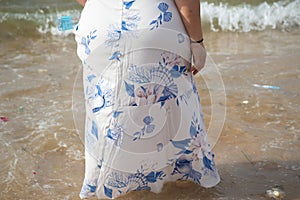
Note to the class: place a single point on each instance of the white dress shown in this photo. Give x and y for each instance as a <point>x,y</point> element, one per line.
<point>144,124</point>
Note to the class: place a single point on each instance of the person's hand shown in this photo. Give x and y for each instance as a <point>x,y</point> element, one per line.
<point>199,57</point>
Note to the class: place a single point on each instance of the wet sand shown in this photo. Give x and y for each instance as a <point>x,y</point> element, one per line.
<point>42,156</point>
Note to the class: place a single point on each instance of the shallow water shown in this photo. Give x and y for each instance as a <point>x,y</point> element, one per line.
<point>30,18</point>
<point>42,156</point>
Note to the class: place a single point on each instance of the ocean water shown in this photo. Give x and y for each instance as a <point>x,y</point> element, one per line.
<point>251,42</point>
<point>32,17</point>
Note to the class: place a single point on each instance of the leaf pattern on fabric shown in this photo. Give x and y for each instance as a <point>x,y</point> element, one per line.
<point>195,127</point>
<point>207,163</point>
<point>128,4</point>
<point>181,144</point>
<point>129,26</point>
<point>157,83</point>
<point>107,191</point>
<point>94,129</point>
<point>116,56</point>
<point>133,181</point>
<point>90,185</point>
<point>177,71</point>
<point>92,188</point>
<point>115,133</point>
<point>116,113</point>
<point>100,96</point>
<point>91,77</point>
<point>154,84</point>
<point>164,16</point>
<point>184,166</point>
<point>129,89</point>
<point>87,40</point>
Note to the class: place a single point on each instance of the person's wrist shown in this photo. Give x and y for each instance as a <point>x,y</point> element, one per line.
<point>197,41</point>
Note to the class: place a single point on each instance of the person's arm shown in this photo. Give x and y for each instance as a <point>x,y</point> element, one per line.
<point>81,2</point>
<point>190,14</point>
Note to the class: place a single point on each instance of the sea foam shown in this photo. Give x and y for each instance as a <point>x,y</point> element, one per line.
<point>245,18</point>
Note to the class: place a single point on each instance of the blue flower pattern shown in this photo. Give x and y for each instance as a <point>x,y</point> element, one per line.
<point>129,24</point>
<point>164,16</point>
<point>155,84</point>
<point>183,165</point>
<point>101,96</point>
<point>123,183</point>
<point>141,85</point>
<point>148,128</point>
<point>113,35</point>
<point>115,131</point>
<point>90,185</point>
<point>116,56</point>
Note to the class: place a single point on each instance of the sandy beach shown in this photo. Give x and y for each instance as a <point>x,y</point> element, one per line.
<point>42,155</point>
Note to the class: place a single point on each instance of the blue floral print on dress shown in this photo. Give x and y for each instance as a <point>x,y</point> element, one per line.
<point>163,16</point>
<point>87,40</point>
<point>183,166</point>
<point>209,168</point>
<point>102,96</point>
<point>91,137</point>
<point>115,133</point>
<point>157,85</point>
<point>116,56</point>
<point>90,185</point>
<point>154,84</point>
<point>195,127</point>
<point>113,35</point>
<point>123,183</point>
<point>130,20</point>
<point>155,77</point>
<point>191,146</point>
<point>129,24</point>
<point>148,128</point>
<point>180,38</point>
<point>94,129</point>
<point>128,4</point>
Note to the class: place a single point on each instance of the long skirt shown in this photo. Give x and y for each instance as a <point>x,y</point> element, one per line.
<point>144,124</point>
